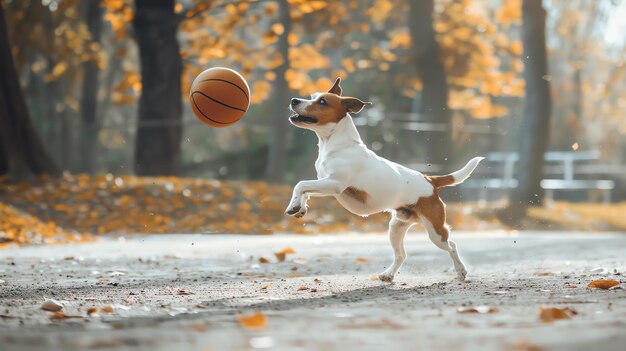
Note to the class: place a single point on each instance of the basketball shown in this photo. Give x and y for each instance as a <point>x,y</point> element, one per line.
<point>219,97</point>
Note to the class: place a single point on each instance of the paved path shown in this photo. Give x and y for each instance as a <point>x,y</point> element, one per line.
<point>320,298</point>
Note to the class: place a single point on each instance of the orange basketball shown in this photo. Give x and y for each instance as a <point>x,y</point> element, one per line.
<point>219,97</point>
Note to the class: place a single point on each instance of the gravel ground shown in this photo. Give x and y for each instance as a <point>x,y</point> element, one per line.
<point>187,292</point>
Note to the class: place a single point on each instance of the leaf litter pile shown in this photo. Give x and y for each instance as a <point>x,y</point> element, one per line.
<point>72,207</point>
<point>19,227</point>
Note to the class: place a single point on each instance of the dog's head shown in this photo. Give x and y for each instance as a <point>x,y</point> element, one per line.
<point>323,110</point>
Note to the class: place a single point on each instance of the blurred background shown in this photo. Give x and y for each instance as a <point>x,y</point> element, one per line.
<point>98,136</point>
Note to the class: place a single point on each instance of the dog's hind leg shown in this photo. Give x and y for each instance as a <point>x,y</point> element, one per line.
<point>397,231</point>
<point>437,235</point>
<point>433,217</point>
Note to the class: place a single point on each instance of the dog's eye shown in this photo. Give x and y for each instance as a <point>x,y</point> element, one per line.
<point>323,102</point>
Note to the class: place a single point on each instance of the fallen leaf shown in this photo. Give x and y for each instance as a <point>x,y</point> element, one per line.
<point>603,284</point>
<point>92,310</point>
<point>263,260</point>
<point>51,305</point>
<point>61,315</point>
<point>294,268</point>
<point>478,309</point>
<point>302,288</point>
<point>256,320</point>
<point>107,309</point>
<point>294,275</point>
<point>255,275</point>
<point>282,254</point>
<point>57,315</point>
<point>544,274</point>
<point>571,286</point>
<point>363,260</point>
<point>264,287</point>
<point>184,292</point>
<point>550,314</point>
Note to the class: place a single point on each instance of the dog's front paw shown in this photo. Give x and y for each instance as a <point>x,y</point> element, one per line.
<point>296,211</point>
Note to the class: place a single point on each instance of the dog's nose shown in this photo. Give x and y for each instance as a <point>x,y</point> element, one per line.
<point>294,102</point>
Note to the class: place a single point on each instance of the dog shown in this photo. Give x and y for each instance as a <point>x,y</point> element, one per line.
<point>365,183</point>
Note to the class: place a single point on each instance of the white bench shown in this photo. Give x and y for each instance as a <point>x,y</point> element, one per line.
<point>567,158</point>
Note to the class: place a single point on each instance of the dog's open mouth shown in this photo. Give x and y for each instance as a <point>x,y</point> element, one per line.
<point>304,119</point>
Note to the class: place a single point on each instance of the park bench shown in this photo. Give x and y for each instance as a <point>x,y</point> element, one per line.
<point>567,159</point>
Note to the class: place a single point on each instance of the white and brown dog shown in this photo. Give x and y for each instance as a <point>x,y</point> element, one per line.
<point>365,183</point>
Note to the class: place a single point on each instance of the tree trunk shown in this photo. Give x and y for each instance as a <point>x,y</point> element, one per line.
<point>89,99</point>
<point>4,163</point>
<point>159,129</point>
<point>277,157</point>
<point>535,130</point>
<point>23,151</point>
<point>434,96</point>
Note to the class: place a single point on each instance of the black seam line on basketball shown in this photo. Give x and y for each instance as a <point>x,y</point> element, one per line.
<point>205,116</point>
<point>229,82</point>
<point>219,102</point>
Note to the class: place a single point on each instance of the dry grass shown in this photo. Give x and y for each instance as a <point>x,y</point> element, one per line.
<point>582,216</point>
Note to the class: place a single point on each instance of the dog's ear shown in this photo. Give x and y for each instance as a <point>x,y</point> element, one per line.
<point>353,105</point>
<point>336,89</point>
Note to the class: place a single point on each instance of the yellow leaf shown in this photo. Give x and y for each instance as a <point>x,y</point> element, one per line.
<point>256,320</point>
<point>551,314</point>
<point>516,48</point>
<point>294,275</point>
<point>278,28</point>
<point>603,284</point>
<point>261,91</point>
<point>287,250</point>
<point>293,39</point>
<point>269,38</point>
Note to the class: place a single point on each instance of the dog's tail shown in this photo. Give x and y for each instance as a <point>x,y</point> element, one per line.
<point>458,176</point>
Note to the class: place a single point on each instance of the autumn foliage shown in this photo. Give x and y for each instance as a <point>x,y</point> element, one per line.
<point>75,208</point>
<point>128,204</point>
<point>19,227</point>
